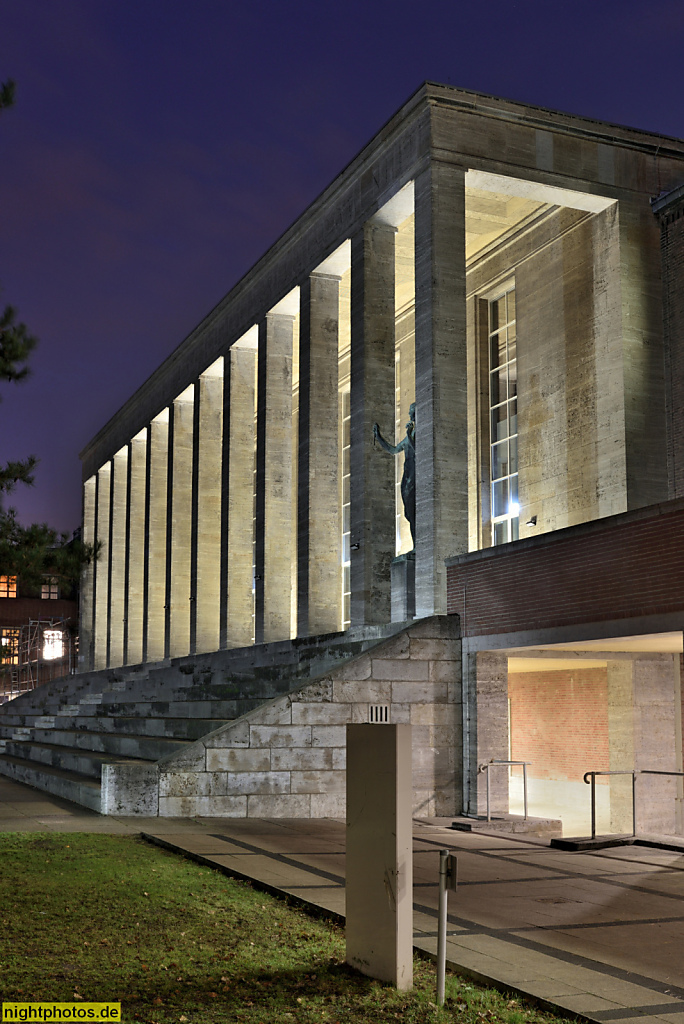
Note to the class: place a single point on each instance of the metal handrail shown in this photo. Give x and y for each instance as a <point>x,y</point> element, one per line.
<point>487,765</point>
<point>633,772</point>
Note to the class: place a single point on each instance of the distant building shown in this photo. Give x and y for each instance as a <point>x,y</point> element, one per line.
<point>38,635</point>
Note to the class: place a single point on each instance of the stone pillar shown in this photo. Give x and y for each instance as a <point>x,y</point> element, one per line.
<point>117,559</point>
<point>276,537</point>
<point>158,468</point>
<point>86,609</point>
<point>206,606</point>
<point>135,549</point>
<point>179,524</point>
<point>441,381</point>
<point>101,588</point>
<point>372,401</point>
<point>379,860</point>
<point>403,578</point>
<point>238,475</point>
<point>642,354</point>
<point>620,742</point>
<point>155,538</point>
<point>488,700</point>
<point>655,742</point>
<point>319,589</point>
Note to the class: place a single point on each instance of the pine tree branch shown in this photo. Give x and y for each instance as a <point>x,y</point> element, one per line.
<point>7,93</point>
<point>16,345</point>
<point>17,472</point>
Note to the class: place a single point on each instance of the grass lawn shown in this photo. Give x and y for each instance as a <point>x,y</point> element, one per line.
<point>110,918</point>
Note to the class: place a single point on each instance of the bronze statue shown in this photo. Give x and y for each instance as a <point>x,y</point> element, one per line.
<point>408,481</point>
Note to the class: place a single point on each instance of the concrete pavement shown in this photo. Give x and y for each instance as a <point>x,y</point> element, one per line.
<point>596,934</point>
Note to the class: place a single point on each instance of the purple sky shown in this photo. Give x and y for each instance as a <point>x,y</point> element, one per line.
<point>157,148</point>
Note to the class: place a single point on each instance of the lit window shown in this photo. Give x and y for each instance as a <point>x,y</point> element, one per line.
<point>50,589</point>
<point>345,439</point>
<point>503,418</point>
<point>9,646</point>
<point>53,644</point>
<point>8,586</point>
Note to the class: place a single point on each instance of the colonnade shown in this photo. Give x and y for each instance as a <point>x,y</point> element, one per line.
<point>255,507</point>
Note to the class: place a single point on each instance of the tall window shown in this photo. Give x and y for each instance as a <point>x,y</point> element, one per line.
<point>345,476</point>
<point>8,586</point>
<point>503,417</point>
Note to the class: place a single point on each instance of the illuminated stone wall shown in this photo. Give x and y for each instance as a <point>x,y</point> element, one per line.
<point>218,493</point>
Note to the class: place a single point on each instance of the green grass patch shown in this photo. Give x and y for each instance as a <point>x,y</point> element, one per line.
<point>111,918</point>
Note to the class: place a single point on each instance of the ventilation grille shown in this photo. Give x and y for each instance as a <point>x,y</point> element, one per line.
<point>379,713</point>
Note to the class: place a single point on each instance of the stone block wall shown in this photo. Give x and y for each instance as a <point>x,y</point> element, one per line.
<point>287,758</point>
<point>670,212</point>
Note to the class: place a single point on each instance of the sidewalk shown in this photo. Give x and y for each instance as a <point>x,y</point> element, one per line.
<point>597,934</point>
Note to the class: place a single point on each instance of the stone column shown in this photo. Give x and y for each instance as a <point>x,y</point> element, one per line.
<point>441,382</point>
<point>372,401</point>
<point>488,700</point>
<point>206,606</point>
<point>655,742</point>
<point>86,609</point>
<point>319,589</point>
<point>276,532</point>
<point>135,549</point>
<point>642,354</point>
<point>117,558</point>
<point>179,524</point>
<point>620,742</point>
<point>101,588</point>
<point>238,483</point>
<point>155,538</point>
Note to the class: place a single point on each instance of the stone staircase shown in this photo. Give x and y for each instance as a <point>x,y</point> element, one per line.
<point>59,736</point>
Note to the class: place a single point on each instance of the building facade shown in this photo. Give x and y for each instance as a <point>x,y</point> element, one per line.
<point>38,634</point>
<point>506,269</point>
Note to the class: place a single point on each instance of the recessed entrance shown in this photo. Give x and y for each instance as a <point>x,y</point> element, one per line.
<point>604,705</point>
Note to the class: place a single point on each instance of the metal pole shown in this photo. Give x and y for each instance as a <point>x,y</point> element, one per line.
<point>442,924</point>
<point>634,803</point>
<point>593,805</point>
<point>489,816</point>
<point>525,788</point>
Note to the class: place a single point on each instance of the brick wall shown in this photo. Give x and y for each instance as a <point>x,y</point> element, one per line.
<point>619,567</point>
<point>559,722</point>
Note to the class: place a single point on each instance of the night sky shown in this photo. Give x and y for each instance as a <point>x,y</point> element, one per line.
<point>156,149</point>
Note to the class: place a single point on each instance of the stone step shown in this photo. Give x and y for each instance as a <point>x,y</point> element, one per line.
<point>44,721</point>
<point>513,824</point>
<point>146,748</point>
<point>226,709</point>
<point>80,789</point>
<point>264,689</point>
<point>169,728</point>
<point>51,755</point>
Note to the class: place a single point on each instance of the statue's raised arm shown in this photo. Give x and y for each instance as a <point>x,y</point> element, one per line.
<point>392,449</point>
<point>407,445</point>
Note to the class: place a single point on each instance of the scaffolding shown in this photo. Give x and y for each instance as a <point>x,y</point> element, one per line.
<point>35,653</point>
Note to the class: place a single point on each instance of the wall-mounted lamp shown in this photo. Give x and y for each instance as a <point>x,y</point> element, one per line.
<point>532,521</point>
